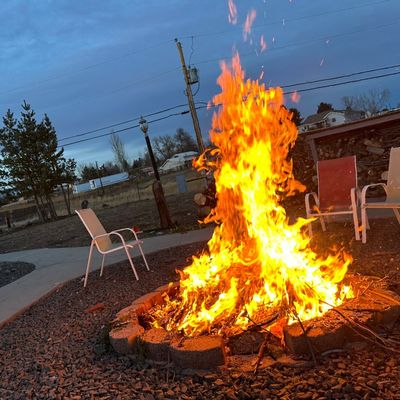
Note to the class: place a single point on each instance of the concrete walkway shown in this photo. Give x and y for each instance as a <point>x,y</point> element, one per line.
<point>57,266</point>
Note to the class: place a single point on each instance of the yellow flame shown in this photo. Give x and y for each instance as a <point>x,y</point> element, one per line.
<point>255,260</point>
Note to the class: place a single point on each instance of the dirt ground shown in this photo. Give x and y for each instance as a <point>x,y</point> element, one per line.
<point>69,231</point>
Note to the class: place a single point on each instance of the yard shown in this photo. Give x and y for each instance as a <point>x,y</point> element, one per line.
<point>60,352</point>
<point>69,231</point>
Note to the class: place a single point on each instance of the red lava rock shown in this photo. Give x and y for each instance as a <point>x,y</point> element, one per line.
<point>124,339</point>
<point>202,352</point>
<point>96,307</point>
<point>156,342</point>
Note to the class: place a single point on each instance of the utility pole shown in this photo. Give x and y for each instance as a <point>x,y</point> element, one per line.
<point>189,95</point>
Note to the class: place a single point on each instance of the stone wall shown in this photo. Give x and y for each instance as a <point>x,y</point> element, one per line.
<point>370,146</point>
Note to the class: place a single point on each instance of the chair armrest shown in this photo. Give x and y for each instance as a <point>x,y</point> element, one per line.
<point>307,200</point>
<point>126,229</point>
<point>109,234</point>
<point>366,187</point>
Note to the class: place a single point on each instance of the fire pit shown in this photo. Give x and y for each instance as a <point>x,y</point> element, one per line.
<point>373,309</point>
<point>260,284</point>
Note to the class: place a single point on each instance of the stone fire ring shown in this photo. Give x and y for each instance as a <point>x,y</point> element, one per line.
<point>157,345</point>
<point>377,307</point>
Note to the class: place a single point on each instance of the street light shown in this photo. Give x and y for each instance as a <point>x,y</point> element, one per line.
<point>144,126</point>
<point>158,191</point>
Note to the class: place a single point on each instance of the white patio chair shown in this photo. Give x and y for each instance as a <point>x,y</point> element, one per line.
<point>337,192</point>
<point>101,239</point>
<point>392,190</point>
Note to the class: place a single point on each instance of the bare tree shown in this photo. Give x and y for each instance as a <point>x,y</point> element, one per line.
<point>118,149</point>
<point>372,101</point>
<point>184,141</point>
<point>165,147</point>
<point>349,102</point>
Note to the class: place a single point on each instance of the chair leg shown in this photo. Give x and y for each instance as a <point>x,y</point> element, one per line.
<point>322,221</point>
<point>309,227</point>
<point>364,222</point>
<point>102,265</point>
<point>356,226</point>
<point>144,258</point>
<point>131,262</point>
<point>397,214</point>
<point>88,263</point>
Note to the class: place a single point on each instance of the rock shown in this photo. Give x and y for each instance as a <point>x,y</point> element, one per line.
<point>124,339</point>
<point>321,334</point>
<point>96,307</point>
<point>156,343</point>
<point>148,300</point>
<point>246,343</point>
<point>202,352</point>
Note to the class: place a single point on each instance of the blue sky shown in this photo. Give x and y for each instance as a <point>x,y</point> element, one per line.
<point>93,63</point>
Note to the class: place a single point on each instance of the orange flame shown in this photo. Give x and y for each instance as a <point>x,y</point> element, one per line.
<point>251,16</point>
<point>263,44</point>
<point>232,17</point>
<point>295,97</point>
<point>256,260</point>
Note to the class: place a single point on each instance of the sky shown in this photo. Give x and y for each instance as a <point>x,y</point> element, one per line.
<point>95,63</point>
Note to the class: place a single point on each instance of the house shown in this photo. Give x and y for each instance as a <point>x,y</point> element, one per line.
<point>178,161</point>
<point>99,182</point>
<point>369,139</point>
<point>327,119</point>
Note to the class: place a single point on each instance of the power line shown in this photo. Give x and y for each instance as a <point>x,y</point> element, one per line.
<point>341,76</point>
<point>343,83</point>
<point>121,123</point>
<point>279,22</point>
<point>128,128</point>
<point>296,44</point>
<point>87,67</point>
<point>203,35</point>
<point>216,105</point>
<point>205,104</point>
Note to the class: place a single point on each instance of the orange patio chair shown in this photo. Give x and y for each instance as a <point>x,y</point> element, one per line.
<point>101,240</point>
<point>337,192</point>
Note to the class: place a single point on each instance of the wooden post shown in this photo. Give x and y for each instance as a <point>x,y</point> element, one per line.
<point>163,212</point>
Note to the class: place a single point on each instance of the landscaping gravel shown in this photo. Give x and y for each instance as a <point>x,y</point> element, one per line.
<point>11,271</point>
<point>56,350</point>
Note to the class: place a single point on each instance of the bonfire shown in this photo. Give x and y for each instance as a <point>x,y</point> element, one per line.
<point>257,264</point>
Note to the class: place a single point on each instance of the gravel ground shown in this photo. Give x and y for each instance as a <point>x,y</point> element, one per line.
<point>11,271</point>
<point>55,350</point>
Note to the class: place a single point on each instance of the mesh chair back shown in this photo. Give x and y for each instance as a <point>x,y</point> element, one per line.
<point>336,178</point>
<point>393,181</point>
<point>95,228</point>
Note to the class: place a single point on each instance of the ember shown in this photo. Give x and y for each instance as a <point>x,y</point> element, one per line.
<point>257,263</point>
